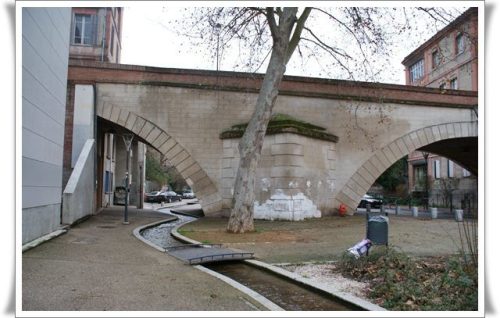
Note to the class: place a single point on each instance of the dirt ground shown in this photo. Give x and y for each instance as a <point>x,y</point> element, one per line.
<point>325,239</point>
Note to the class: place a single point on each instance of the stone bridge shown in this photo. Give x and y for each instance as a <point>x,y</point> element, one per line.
<point>353,131</point>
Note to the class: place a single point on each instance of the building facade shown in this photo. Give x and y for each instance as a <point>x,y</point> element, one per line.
<point>448,60</point>
<point>96,34</point>
<point>45,51</point>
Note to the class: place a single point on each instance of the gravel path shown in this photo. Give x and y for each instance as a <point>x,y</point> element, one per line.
<point>323,273</point>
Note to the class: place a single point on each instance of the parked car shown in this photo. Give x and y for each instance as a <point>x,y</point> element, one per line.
<point>152,197</point>
<point>375,203</point>
<point>188,194</point>
<point>170,196</point>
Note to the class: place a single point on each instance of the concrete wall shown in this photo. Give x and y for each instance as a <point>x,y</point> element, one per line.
<point>78,196</point>
<point>45,47</point>
<point>192,119</point>
<point>83,119</point>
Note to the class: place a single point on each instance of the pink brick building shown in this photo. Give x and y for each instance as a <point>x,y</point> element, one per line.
<point>448,60</point>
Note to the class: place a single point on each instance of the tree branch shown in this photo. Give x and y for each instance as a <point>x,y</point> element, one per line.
<point>272,22</point>
<point>326,46</point>
<point>294,41</point>
<point>360,46</point>
<point>333,53</point>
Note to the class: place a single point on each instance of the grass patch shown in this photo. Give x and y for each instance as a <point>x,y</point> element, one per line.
<point>184,231</point>
<point>281,123</point>
<point>259,230</point>
<point>399,282</point>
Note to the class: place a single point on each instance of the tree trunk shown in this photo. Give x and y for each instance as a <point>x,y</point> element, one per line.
<point>250,146</point>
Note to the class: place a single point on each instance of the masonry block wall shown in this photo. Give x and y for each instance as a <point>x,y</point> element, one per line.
<point>45,50</point>
<point>295,178</point>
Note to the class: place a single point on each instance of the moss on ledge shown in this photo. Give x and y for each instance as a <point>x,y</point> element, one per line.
<point>281,123</point>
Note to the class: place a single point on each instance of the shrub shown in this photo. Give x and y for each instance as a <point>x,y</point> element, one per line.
<point>398,282</point>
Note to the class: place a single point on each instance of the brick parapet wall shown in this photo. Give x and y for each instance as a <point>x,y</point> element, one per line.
<point>90,71</point>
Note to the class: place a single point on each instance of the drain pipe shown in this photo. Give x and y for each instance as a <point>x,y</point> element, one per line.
<point>94,86</point>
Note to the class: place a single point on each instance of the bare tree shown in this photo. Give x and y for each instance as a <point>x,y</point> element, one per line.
<point>280,32</point>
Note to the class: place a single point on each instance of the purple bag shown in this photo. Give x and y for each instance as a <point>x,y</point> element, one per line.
<point>361,248</point>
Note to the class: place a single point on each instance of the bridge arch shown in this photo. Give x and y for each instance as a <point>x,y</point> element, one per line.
<point>153,135</point>
<point>361,181</point>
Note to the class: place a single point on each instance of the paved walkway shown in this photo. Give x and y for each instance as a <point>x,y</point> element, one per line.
<point>99,265</point>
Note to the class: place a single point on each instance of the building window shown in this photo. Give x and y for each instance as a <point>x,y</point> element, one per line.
<point>436,59</point>
<point>417,71</point>
<point>84,29</point>
<point>454,83</point>
<point>437,169</point>
<point>420,176</point>
<point>108,181</point>
<point>466,173</point>
<point>450,169</point>
<point>459,43</point>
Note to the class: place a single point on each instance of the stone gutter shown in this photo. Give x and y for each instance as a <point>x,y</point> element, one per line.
<point>295,277</point>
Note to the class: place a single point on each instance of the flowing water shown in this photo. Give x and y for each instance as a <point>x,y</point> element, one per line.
<point>160,235</point>
<point>283,292</point>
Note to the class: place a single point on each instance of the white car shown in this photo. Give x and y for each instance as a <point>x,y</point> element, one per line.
<point>188,195</point>
<point>374,202</point>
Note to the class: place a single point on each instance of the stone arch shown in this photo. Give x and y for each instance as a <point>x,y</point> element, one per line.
<point>361,181</point>
<point>205,189</point>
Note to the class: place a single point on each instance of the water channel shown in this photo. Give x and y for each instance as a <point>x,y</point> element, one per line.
<point>285,293</point>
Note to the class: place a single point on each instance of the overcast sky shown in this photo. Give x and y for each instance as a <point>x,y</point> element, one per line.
<point>150,38</point>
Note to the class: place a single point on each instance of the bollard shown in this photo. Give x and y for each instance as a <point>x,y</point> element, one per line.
<point>398,210</point>
<point>434,213</point>
<point>459,215</point>
<point>414,211</point>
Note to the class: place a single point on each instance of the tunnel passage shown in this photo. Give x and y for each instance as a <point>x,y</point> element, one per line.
<point>151,134</point>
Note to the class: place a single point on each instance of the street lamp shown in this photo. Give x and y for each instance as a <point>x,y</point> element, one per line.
<point>426,201</point>
<point>218,27</point>
<point>127,139</point>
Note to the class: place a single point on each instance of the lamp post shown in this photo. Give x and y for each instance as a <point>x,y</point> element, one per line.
<point>426,184</point>
<point>127,139</point>
<point>218,27</point>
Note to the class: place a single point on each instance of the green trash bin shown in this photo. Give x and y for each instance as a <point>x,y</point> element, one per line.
<point>377,228</point>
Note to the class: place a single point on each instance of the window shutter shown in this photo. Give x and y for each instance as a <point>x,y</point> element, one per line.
<point>450,169</point>
<point>93,22</point>
<point>437,169</point>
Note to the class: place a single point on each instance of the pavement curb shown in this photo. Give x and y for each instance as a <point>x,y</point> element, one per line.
<point>242,288</point>
<point>43,239</point>
<point>319,286</point>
